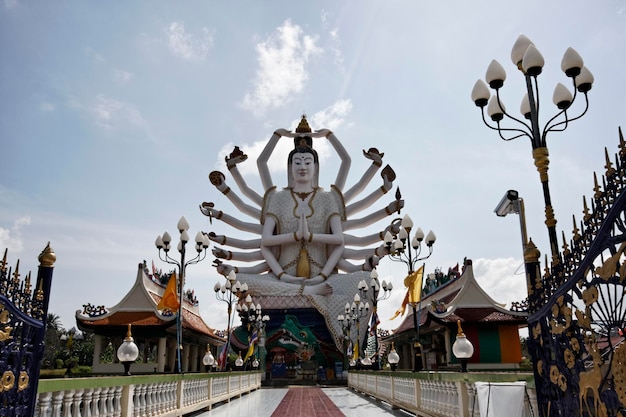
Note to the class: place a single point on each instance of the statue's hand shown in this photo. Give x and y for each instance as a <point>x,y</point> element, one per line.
<point>208,210</point>
<point>371,262</point>
<point>221,239</point>
<point>396,205</point>
<point>221,253</point>
<point>393,228</point>
<point>223,269</point>
<point>374,155</point>
<point>217,178</point>
<point>235,157</point>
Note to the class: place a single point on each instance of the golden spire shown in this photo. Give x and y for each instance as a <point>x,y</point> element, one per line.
<point>303,126</point>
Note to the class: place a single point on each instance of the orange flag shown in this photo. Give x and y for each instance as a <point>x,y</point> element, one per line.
<point>169,299</point>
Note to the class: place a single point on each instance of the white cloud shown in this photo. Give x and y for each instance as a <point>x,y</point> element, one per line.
<point>185,45</point>
<point>10,4</point>
<point>97,58</point>
<point>113,114</point>
<point>504,279</point>
<point>12,238</point>
<point>123,76</point>
<point>283,59</point>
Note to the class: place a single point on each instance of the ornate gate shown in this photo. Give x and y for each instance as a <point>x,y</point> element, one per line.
<point>23,312</point>
<point>577,307</point>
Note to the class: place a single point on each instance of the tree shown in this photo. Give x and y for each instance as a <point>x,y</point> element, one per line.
<point>52,339</point>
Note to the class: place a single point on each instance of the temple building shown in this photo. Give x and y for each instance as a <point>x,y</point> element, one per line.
<point>153,330</point>
<point>492,329</point>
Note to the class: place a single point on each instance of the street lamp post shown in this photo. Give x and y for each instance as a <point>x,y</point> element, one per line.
<point>358,310</point>
<point>208,359</point>
<point>163,242</point>
<point>252,318</point>
<point>128,352</point>
<point>346,321</point>
<point>229,292</point>
<point>376,296</point>
<point>530,62</point>
<point>393,358</point>
<point>400,250</point>
<point>462,348</point>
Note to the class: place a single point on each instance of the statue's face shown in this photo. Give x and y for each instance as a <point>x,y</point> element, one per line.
<point>303,167</point>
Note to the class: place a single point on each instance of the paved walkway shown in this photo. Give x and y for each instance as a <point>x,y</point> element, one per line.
<point>302,401</point>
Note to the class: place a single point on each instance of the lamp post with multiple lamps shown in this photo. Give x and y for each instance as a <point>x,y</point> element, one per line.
<point>230,292</point>
<point>375,286</point>
<point>128,352</point>
<point>358,310</point>
<point>346,321</point>
<point>529,61</point>
<point>400,250</point>
<point>163,242</point>
<point>253,319</point>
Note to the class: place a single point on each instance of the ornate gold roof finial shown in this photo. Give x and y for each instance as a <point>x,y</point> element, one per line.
<point>47,256</point>
<point>303,126</point>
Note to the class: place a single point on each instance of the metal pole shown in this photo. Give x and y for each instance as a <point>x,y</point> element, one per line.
<point>542,161</point>
<point>179,330</point>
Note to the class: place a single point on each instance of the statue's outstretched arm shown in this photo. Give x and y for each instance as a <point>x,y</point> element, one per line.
<point>208,210</point>
<point>388,175</point>
<point>344,168</point>
<point>370,263</point>
<point>261,162</point>
<point>236,157</point>
<point>237,256</point>
<point>236,243</point>
<point>224,269</point>
<point>377,162</point>
<point>392,207</point>
<point>378,251</point>
<point>218,180</point>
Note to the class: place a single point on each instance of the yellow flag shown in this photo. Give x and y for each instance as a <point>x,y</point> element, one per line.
<point>402,308</point>
<point>414,283</point>
<point>170,299</point>
<point>355,351</point>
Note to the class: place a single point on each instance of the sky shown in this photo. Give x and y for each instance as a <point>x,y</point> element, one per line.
<point>112,115</point>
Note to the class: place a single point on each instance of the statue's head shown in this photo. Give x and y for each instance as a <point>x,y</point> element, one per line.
<point>303,144</point>
<point>301,147</point>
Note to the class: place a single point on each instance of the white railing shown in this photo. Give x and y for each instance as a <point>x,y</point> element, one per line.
<point>140,396</point>
<point>437,394</point>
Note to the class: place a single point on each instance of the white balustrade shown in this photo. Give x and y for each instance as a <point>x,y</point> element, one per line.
<point>436,394</point>
<point>150,399</point>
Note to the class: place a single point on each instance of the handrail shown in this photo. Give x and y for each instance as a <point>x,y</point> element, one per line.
<point>159,395</point>
<point>437,393</point>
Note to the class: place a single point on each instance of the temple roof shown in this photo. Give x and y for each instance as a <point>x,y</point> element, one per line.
<point>461,298</point>
<point>139,308</point>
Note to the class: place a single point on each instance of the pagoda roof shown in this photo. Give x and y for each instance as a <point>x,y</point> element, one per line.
<point>461,298</point>
<point>139,308</point>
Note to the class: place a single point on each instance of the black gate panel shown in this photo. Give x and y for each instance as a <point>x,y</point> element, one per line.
<point>23,311</point>
<point>577,308</point>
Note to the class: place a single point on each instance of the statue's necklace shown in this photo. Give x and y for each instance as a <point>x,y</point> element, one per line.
<point>303,196</point>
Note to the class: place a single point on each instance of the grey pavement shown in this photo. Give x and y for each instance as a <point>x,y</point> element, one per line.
<point>263,402</point>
